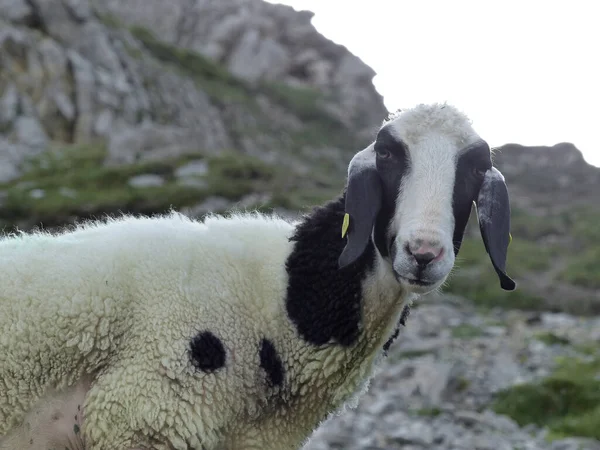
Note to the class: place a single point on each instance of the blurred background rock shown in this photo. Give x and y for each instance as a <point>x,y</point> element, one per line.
<point>140,106</point>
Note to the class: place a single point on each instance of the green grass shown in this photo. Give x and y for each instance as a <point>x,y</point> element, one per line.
<point>528,226</point>
<point>549,338</point>
<point>523,255</point>
<point>482,288</point>
<point>99,189</point>
<point>584,269</point>
<point>466,331</point>
<point>305,103</point>
<point>567,402</point>
<point>474,276</point>
<point>428,412</point>
<point>108,19</point>
<point>584,225</point>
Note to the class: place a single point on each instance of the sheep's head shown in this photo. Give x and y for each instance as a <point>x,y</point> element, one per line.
<point>411,191</point>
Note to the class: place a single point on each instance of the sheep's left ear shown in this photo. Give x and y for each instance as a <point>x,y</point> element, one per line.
<point>493,214</point>
<point>363,202</point>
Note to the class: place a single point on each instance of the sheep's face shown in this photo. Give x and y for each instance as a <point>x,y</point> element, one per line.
<point>411,192</point>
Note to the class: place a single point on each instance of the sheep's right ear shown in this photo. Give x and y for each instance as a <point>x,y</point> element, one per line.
<point>363,202</point>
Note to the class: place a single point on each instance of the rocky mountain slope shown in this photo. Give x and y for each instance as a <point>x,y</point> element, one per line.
<point>131,105</point>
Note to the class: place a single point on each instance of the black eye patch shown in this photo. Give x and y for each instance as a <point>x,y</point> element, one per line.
<point>476,156</point>
<point>472,164</point>
<point>388,143</point>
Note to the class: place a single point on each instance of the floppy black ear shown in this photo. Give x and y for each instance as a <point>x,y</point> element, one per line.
<point>363,201</point>
<point>493,213</point>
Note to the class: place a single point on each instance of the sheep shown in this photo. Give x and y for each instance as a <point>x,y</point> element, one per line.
<point>241,331</point>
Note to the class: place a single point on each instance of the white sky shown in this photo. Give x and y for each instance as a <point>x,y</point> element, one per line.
<point>525,71</point>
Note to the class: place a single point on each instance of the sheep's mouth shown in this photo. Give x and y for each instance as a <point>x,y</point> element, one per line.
<point>415,281</point>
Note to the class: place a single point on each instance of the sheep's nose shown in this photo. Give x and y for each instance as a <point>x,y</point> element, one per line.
<point>424,252</point>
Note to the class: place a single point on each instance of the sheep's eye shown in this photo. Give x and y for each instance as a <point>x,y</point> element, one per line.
<point>383,154</point>
<point>478,172</point>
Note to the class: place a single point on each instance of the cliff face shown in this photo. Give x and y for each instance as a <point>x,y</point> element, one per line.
<point>79,72</point>
<point>258,41</point>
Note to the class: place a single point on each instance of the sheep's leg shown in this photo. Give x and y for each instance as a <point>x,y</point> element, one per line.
<point>54,422</point>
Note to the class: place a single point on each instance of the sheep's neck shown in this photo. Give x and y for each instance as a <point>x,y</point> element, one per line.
<point>345,316</point>
<point>326,304</point>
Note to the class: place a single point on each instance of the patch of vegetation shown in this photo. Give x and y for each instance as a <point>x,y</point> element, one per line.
<point>108,19</point>
<point>583,225</point>
<point>550,338</point>
<point>233,175</point>
<point>414,353</point>
<point>523,255</point>
<point>482,287</point>
<point>567,402</point>
<point>466,331</point>
<point>304,102</point>
<point>529,226</point>
<point>429,412</point>
<point>72,181</point>
<point>584,269</point>
<point>462,384</point>
<point>474,276</point>
<point>214,79</point>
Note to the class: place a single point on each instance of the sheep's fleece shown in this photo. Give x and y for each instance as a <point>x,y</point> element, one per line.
<point>110,310</point>
<point>237,332</point>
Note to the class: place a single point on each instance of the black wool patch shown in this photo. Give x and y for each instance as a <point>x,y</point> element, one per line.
<point>207,352</point>
<point>271,363</point>
<point>323,301</point>
<point>391,340</point>
<point>403,316</point>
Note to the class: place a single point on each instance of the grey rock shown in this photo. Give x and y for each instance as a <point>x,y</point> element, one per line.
<point>64,104</point>
<point>417,433</point>
<point>83,75</point>
<point>103,123</point>
<point>53,56</point>
<point>257,58</point>
<point>575,444</point>
<point>424,378</point>
<point>149,141</point>
<point>192,169</point>
<point>67,192</point>
<point>14,42</point>
<point>146,180</point>
<point>210,205</point>
<point>16,11</point>
<point>9,104</point>
<point>30,133</point>
<point>79,9</point>
<point>259,41</point>
<point>37,193</point>
<point>11,156</point>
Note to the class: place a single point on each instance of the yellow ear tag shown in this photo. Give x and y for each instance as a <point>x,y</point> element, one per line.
<point>509,238</point>
<point>345,224</point>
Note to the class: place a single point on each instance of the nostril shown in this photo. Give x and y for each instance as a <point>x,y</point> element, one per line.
<point>424,254</point>
<point>424,258</point>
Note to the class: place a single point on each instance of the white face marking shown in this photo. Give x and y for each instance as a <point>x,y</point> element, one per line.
<point>423,223</point>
